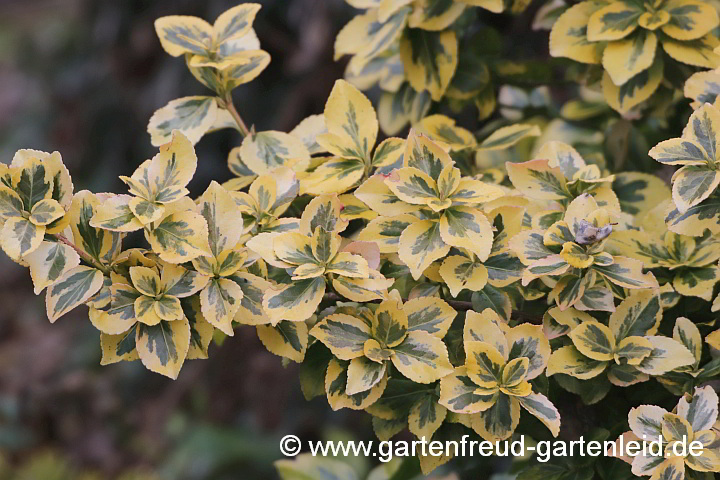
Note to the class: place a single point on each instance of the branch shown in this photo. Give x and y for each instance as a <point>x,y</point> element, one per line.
<point>457,305</point>
<point>230,106</point>
<point>83,254</point>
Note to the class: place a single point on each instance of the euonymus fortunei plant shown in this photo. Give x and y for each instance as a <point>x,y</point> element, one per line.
<point>445,280</point>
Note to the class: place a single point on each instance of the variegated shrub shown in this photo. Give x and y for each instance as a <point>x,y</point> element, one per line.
<point>443,281</point>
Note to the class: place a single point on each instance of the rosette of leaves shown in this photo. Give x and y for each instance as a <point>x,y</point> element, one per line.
<point>364,344</point>
<point>158,204</point>
<point>573,250</point>
<point>691,261</point>
<point>692,420</point>
<point>148,306</point>
<point>221,56</point>
<point>35,190</point>
<point>559,175</point>
<point>352,130</point>
<point>428,206</point>
<point>494,382</point>
<point>627,349</point>
<point>311,256</point>
<point>685,379</point>
<point>261,153</point>
<point>625,36</point>
<point>694,189</point>
<point>267,199</point>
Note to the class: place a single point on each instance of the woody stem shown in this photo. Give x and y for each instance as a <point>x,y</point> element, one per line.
<point>244,130</point>
<point>83,254</point>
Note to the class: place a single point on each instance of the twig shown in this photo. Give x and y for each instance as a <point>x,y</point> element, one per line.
<point>83,254</point>
<point>230,106</point>
<point>457,305</point>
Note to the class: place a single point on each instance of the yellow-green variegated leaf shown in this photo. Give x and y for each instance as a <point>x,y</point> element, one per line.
<point>354,209</point>
<point>388,155</point>
<point>295,302</point>
<point>363,289</point>
<point>368,35</point>
<point>422,357</point>
<point>73,288</point>
<point>541,408</point>
<point>251,311</point>
<point>638,315</point>
<point>484,364</point>
<point>163,178</point>
<point>162,348</point>
<point>180,237</point>
<point>693,184</point>
<point>429,314</point>
<point>385,231</point>
<point>413,186</point>
<point>505,137</point>
<point>557,323</point>
<point>183,34</point>
<point>343,334</point>
<point>468,228</point>
<point>623,59</point>
<point>667,355</point>
<point>442,129</point>
<point>568,37</point>
<point>351,122</point>
<point>363,374</point>
<point>421,244</point>
<point>458,393</point>
<point>426,416</point>
<point>613,22</point>
<point>375,193</point>
<point>627,272</point>
<point>31,179</point>
<point>687,333</point>
<point>253,64</point>
<point>632,350</point>
<point>286,339</point>
<point>114,214</point>
<point>702,410</point>
<point>323,211</point>
<point>268,150</point>
<point>529,341</point>
<point>569,361</point>
<point>235,22</point>
<point>193,116</point>
<point>499,421</point>
<point>435,14</point>
<point>689,19</point>
<point>703,87</point>
<point>460,272</point>
<point>11,205</point>
<point>337,175</point>
<point>696,282</point>
<point>538,180</point>
<point>118,347</point>
<point>636,90</point>
<point>430,59</point>
<point>397,109</point>
<point>49,262</point>
<point>46,211</point>
<point>705,215</point>
<point>681,151</point>
<point>425,155</point>
<point>219,210</point>
<point>639,192</point>
<point>346,264</point>
<point>20,237</point>
<point>336,384</point>
<point>220,301</point>
<point>576,255</point>
<point>529,246</point>
<point>570,289</point>
<point>552,265</point>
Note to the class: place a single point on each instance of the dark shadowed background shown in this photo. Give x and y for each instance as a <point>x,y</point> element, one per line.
<point>83,77</point>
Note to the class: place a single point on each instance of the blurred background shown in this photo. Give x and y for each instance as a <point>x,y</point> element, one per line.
<point>83,77</point>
